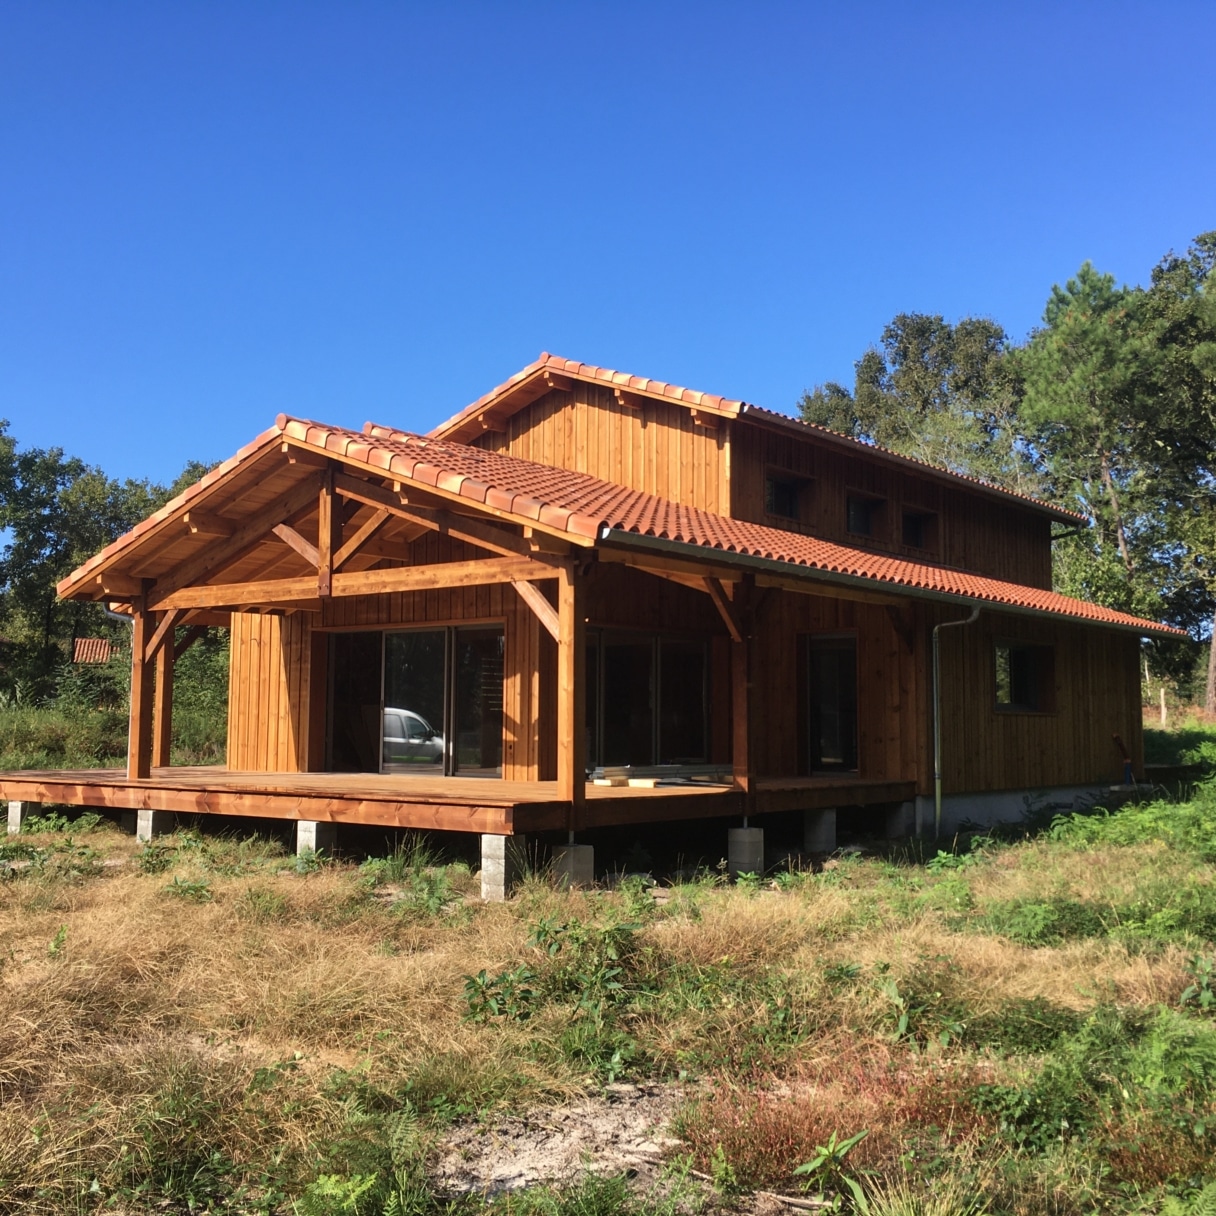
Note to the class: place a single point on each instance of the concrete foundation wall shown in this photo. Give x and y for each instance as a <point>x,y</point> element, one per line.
<point>960,811</point>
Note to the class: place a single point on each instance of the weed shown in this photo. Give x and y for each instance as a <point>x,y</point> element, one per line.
<point>1199,992</point>
<point>509,995</point>
<point>157,856</point>
<point>1032,922</point>
<point>1035,1025</point>
<point>826,1167</point>
<point>196,890</point>
<point>56,821</point>
<point>57,942</point>
<point>262,905</point>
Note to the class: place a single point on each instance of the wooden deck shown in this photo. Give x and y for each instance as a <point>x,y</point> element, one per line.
<point>451,804</point>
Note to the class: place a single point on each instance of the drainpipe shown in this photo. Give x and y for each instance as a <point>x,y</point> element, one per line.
<point>117,616</point>
<point>937,716</point>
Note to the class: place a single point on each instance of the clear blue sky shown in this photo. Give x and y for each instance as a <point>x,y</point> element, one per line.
<point>213,212</point>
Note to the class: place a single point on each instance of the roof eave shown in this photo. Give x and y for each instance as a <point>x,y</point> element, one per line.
<point>618,537</point>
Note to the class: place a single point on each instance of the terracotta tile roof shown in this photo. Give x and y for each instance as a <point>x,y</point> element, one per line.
<point>555,364</point>
<point>592,509</point>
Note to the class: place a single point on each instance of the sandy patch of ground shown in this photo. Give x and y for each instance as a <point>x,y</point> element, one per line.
<point>624,1129</point>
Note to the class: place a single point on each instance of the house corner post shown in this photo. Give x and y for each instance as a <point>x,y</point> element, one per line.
<point>741,698</point>
<point>139,736</point>
<point>571,693</point>
<point>162,737</point>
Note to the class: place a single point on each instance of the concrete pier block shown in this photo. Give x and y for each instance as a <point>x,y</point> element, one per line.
<point>501,866</point>
<point>153,823</point>
<point>745,851</point>
<point>313,836</point>
<point>819,831</point>
<point>574,865</point>
<point>18,813</point>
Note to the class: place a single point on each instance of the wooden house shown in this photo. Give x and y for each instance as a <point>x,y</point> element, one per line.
<point>594,599</point>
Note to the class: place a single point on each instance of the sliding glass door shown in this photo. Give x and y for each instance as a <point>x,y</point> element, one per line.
<point>417,702</point>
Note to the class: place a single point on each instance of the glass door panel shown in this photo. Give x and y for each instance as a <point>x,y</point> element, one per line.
<point>477,717</point>
<point>832,704</point>
<point>354,702</point>
<point>414,702</point>
<point>627,723</point>
<point>682,701</point>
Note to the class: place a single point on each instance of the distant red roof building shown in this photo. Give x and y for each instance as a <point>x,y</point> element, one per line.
<point>92,650</point>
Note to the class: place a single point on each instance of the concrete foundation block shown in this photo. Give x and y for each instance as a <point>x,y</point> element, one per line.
<point>18,813</point>
<point>313,836</point>
<point>574,865</point>
<point>153,823</point>
<point>819,831</point>
<point>745,851</point>
<point>501,866</point>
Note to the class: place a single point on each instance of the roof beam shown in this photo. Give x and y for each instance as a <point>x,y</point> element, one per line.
<point>439,576</point>
<point>290,537</point>
<point>563,384</point>
<point>216,557</point>
<point>630,401</point>
<point>726,610</point>
<point>366,531</point>
<point>203,523</point>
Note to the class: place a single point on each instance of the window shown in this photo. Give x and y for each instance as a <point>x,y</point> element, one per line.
<point>783,495</point>
<point>919,530</point>
<point>1025,678</point>
<point>828,675</point>
<point>863,515</point>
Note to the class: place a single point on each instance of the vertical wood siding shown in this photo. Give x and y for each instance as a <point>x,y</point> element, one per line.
<point>974,532</point>
<point>658,448</point>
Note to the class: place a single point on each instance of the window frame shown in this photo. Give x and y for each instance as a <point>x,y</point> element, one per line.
<point>1041,657</point>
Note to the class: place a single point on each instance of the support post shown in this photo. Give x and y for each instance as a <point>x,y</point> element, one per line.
<point>329,534</point>
<point>313,836</point>
<point>574,865</point>
<point>500,866</point>
<point>819,831</point>
<point>745,851</point>
<point>18,813</point>
<point>162,738</point>
<point>740,692</point>
<point>153,823</point>
<point>571,695</point>
<point>139,736</point>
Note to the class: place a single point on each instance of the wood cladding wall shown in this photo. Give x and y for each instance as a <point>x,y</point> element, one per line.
<point>268,693</point>
<point>1097,696</point>
<point>973,532</point>
<point>890,688</point>
<point>658,447</point>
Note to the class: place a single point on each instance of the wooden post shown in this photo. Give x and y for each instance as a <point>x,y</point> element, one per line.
<point>571,694</point>
<point>139,738</point>
<point>329,533</point>
<point>740,693</point>
<point>162,737</point>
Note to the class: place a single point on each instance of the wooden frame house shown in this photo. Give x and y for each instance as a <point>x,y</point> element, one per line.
<point>709,609</point>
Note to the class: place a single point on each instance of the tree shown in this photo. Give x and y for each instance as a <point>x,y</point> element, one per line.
<point>936,391</point>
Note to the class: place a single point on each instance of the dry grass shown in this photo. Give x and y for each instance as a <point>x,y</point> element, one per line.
<point>229,1018</point>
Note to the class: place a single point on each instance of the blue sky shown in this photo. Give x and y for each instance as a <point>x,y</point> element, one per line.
<point>213,212</point>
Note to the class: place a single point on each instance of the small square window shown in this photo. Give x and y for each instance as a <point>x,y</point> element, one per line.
<point>783,496</point>
<point>919,530</point>
<point>1025,678</point>
<point>862,515</point>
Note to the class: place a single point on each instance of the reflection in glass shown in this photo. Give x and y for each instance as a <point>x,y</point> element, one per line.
<point>682,700</point>
<point>628,700</point>
<point>413,739</point>
<point>354,702</point>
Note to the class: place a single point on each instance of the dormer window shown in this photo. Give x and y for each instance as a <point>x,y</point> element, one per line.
<point>864,515</point>
<point>783,495</point>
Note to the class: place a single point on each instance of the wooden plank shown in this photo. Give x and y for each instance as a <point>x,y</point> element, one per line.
<point>571,695</point>
<point>216,557</point>
<point>365,582</point>
<point>546,614</point>
<point>139,736</point>
<point>193,634</point>
<point>202,523</point>
<point>290,537</point>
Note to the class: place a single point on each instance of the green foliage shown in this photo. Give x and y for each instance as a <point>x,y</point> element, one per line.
<point>1047,922</point>
<point>1024,1026</point>
<point>1199,992</point>
<point>509,994</point>
<point>1189,826</point>
<point>826,1168</point>
<point>196,890</point>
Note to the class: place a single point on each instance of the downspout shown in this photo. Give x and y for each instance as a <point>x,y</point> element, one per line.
<point>117,616</point>
<point>937,715</point>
